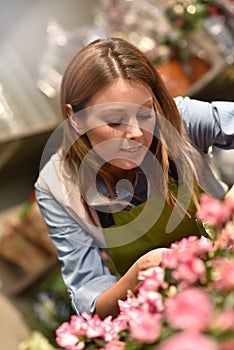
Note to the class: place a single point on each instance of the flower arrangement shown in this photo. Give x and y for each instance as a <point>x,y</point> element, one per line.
<point>188,15</point>
<point>187,302</point>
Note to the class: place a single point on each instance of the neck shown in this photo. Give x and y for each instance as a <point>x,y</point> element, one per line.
<point>119,173</point>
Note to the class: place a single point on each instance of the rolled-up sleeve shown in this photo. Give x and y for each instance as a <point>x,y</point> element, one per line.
<point>83,269</point>
<point>208,123</point>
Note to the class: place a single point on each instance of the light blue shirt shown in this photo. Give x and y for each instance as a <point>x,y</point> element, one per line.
<point>84,271</point>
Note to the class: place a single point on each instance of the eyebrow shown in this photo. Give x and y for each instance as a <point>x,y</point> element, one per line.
<point>118,109</point>
<point>113,109</point>
<point>149,100</point>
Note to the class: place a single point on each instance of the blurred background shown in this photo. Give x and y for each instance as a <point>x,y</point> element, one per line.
<point>191,43</point>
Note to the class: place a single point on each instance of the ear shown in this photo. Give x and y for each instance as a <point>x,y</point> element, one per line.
<point>69,110</point>
<point>74,119</point>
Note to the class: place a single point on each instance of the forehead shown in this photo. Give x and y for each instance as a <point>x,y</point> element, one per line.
<point>122,90</point>
<point>103,110</point>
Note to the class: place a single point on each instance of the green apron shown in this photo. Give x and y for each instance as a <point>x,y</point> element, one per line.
<point>141,229</point>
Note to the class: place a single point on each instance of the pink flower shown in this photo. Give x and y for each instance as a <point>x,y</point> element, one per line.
<point>119,324</point>
<point>225,238</point>
<point>227,345</point>
<point>95,328</point>
<point>223,320</point>
<point>150,301</point>
<point>113,327</point>
<point>78,325</point>
<point>223,273</point>
<point>64,336</point>
<point>190,309</point>
<point>126,305</point>
<point>212,211</point>
<point>115,345</point>
<point>205,245</point>
<point>148,296</point>
<point>153,277</point>
<point>188,341</point>
<point>144,327</point>
<point>186,248</point>
<point>190,270</point>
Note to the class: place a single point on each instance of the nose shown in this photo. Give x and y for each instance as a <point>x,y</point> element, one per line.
<point>133,131</point>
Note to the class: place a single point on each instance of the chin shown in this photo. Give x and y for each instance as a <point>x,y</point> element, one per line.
<point>125,164</point>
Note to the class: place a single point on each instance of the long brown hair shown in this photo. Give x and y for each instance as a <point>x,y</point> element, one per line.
<point>92,69</point>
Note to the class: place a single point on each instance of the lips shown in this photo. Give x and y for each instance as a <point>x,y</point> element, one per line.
<point>131,149</point>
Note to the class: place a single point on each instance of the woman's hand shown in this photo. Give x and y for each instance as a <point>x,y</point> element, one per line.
<point>107,302</point>
<point>151,259</point>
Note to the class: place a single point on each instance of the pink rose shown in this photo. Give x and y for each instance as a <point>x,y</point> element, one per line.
<point>188,341</point>
<point>227,345</point>
<point>112,327</point>
<point>225,238</point>
<point>190,309</point>
<point>223,320</point>
<point>78,325</point>
<point>64,336</point>
<point>190,270</point>
<point>150,300</point>
<point>153,277</point>
<point>95,327</point>
<point>185,249</point>
<point>212,211</point>
<point>223,274</point>
<point>144,327</point>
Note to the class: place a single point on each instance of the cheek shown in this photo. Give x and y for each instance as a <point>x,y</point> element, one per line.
<point>101,134</point>
<point>104,141</point>
<point>148,139</point>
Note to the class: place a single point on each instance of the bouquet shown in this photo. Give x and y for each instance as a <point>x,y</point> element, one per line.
<point>187,302</point>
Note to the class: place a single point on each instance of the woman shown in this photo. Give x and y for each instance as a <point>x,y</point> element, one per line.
<point>127,178</point>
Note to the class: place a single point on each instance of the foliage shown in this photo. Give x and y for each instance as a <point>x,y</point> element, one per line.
<point>188,15</point>
<point>36,341</point>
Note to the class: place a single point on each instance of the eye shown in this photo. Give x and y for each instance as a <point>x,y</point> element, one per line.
<point>115,123</point>
<point>145,116</point>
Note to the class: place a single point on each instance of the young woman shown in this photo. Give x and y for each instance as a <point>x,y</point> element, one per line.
<point>126,180</point>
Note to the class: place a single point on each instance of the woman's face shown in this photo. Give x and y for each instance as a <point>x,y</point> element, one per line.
<point>120,124</point>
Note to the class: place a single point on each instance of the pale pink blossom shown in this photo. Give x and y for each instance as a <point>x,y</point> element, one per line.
<point>126,305</point>
<point>144,326</point>
<point>95,327</point>
<point>192,246</point>
<point>223,320</point>
<point>205,245</point>
<point>190,309</point>
<point>227,345</point>
<point>223,273</point>
<point>119,324</point>
<point>150,300</point>
<point>188,341</point>
<point>112,327</point>
<point>78,325</point>
<point>212,211</point>
<point>64,336</point>
<point>170,259</point>
<point>153,277</point>
<point>225,238</point>
<point>190,270</point>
